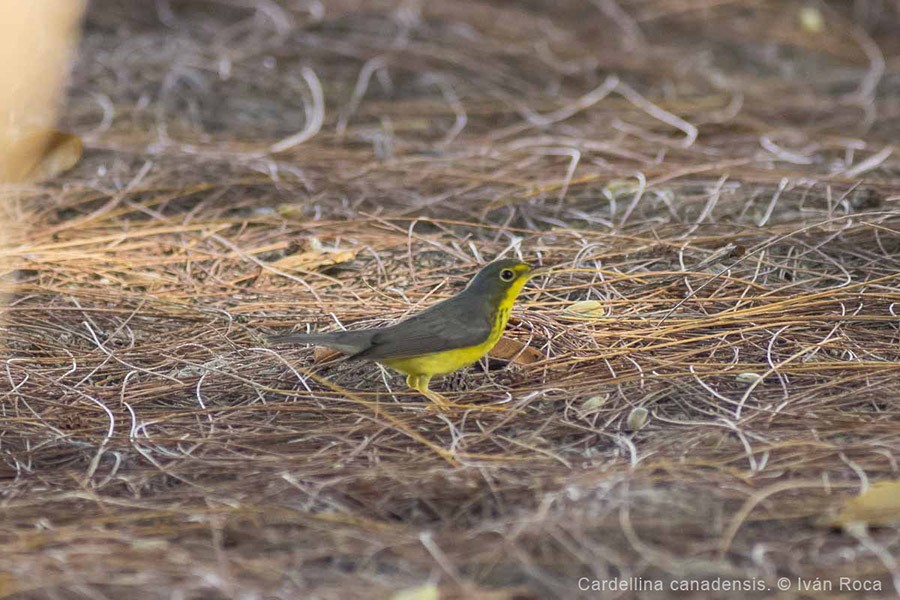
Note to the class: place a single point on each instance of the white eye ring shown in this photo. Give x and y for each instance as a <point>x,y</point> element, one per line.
<point>507,274</point>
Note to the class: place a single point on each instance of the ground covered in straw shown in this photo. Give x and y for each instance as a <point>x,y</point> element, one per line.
<point>714,183</point>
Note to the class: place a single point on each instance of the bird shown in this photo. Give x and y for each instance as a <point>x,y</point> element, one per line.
<point>446,336</point>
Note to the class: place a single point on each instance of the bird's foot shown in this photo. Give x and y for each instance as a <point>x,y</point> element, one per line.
<point>442,404</point>
<point>439,402</point>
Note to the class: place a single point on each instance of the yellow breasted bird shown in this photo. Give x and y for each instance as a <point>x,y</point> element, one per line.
<point>445,337</point>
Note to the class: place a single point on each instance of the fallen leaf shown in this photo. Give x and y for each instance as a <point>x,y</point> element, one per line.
<point>314,256</point>
<point>637,418</point>
<point>9,585</point>
<point>519,353</point>
<point>313,259</point>
<point>594,402</point>
<point>879,506</point>
<point>588,307</point>
<point>43,155</point>
<point>322,354</point>
<point>423,592</point>
<point>470,591</point>
<point>61,151</point>
<point>746,378</point>
<point>37,47</point>
<point>291,210</point>
<point>811,19</point>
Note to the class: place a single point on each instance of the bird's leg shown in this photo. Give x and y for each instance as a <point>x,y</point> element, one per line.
<point>420,384</point>
<point>435,397</point>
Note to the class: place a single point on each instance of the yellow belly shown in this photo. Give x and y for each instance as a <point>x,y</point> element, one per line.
<point>440,363</point>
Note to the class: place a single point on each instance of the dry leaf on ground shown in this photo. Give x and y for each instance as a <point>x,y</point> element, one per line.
<point>593,308</point>
<point>519,353</point>
<point>58,152</point>
<point>878,506</point>
<point>313,259</point>
<point>422,592</point>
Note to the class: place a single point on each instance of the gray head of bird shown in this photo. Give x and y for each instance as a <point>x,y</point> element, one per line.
<point>500,276</point>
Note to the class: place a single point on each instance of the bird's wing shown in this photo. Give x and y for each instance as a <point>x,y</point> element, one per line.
<point>443,327</point>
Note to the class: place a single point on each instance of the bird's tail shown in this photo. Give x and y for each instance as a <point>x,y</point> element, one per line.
<point>348,342</point>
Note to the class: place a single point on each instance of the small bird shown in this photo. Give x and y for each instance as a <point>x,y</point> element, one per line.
<point>447,336</point>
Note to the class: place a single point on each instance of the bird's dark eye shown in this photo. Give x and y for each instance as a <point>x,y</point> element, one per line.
<point>507,274</point>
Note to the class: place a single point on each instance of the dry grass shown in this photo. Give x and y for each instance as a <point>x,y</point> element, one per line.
<point>720,177</point>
